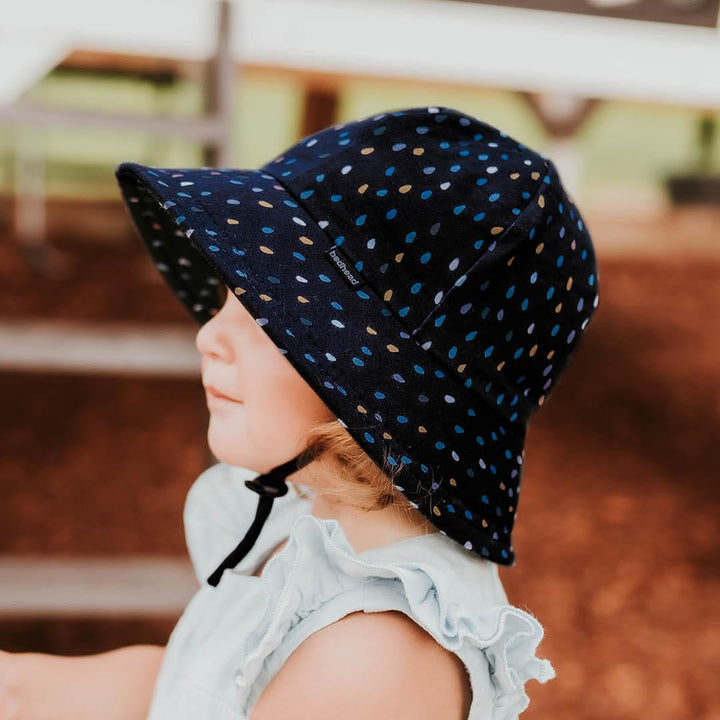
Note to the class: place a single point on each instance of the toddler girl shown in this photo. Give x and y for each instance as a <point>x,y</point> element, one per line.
<point>382,307</point>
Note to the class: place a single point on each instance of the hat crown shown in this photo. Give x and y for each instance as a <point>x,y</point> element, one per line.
<point>426,274</point>
<point>467,235</point>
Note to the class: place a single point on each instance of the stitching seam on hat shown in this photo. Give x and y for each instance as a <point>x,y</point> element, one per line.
<point>507,230</point>
<point>493,374</point>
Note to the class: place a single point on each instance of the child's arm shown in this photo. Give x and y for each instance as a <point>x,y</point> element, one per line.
<point>114,685</point>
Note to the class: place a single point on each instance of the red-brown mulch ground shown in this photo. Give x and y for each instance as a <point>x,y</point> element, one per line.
<point>617,532</point>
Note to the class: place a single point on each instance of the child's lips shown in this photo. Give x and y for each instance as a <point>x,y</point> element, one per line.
<point>213,392</point>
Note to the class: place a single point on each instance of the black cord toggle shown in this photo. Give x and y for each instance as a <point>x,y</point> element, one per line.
<point>268,486</point>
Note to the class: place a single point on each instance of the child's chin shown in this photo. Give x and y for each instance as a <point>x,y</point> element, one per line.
<point>224,445</point>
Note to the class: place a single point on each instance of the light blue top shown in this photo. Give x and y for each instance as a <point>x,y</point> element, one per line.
<point>232,639</point>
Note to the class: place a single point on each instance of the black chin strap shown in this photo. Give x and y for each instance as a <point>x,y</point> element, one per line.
<point>268,486</point>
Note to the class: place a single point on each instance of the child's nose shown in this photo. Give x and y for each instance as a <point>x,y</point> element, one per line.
<point>212,338</point>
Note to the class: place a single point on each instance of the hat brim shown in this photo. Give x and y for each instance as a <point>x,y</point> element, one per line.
<point>243,228</point>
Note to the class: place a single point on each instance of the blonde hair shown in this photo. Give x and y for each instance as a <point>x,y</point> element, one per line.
<point>352,475</point>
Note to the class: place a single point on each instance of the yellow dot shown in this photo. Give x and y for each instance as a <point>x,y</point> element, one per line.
<point>502,485</point>
<point>267,250</point>
<point>239,290</point>
<point>362,409</point>
<point>541,400</point>
<point>405,189</point>
<point>497,229</point>
<point>539,248</point>
<point>363,188</point>
<point>418,151</point>
<point>303,299</point>
<point>510,508</point>
<point>550,354</point>
<point>399,257</point>
<point>461,367</point>
<point>232,221</point>
<point>387,296</point>
<point>265,203</point>
<point>306,240</point>
<point>387,436</point>
<point>367,150</point>
<point>484,523</point>
<point>510,261</point>
<point>558,307</point>
<point>393,348</point>
<point>453,482</point>
<point>514,176</point>
<point>422,429</point>
<point>501,365</point>
<point>436,510</point>
<point>371,330</point>
<point>266,298</point>
<point>533,350</point>
<point>569,283</point>
<point>541,201</point>
<point>535,175</point>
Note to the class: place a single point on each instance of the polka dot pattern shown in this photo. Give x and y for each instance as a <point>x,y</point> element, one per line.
<point>425,273</point>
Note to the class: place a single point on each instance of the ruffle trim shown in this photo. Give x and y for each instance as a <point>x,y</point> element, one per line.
<point>318,563</point>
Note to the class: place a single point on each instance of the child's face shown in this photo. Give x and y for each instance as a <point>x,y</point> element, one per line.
<point>271,407</point>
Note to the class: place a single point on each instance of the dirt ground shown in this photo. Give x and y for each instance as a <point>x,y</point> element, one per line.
<point>617,532</point>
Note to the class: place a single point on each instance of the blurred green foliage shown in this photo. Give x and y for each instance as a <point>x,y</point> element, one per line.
<point>622,144</point>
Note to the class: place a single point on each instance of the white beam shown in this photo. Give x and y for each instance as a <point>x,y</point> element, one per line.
<point>105,586</point>
<point>436,40</point>
<point>118,348</point>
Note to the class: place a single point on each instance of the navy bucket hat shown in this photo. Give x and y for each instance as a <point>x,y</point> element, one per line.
<point>427,274</point>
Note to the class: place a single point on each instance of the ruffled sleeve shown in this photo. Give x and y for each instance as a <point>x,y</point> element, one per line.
<point>219,508</point>
<point>318,579</point>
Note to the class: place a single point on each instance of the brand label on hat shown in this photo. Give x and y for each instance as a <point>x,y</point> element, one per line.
<point>344,266</point>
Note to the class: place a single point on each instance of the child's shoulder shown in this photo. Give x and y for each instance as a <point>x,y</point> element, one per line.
<point>384,659</point>
<point>319,591</point>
